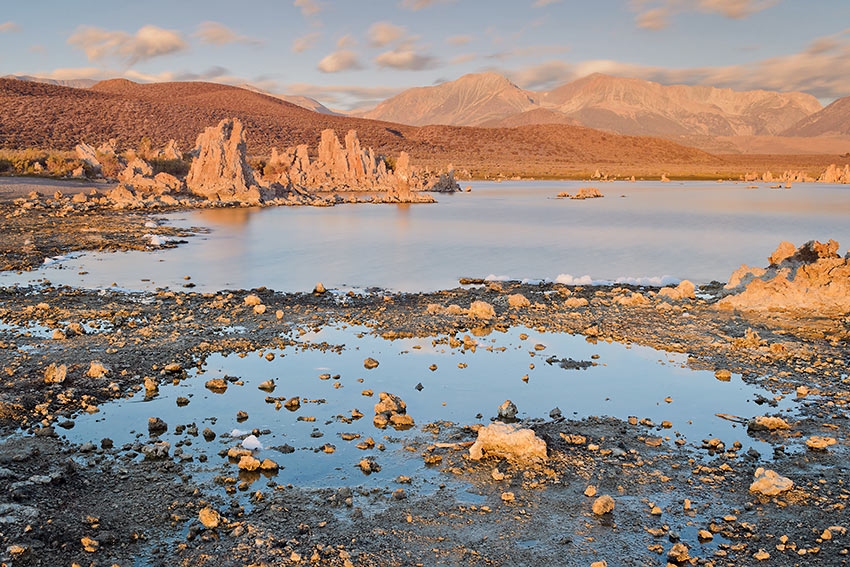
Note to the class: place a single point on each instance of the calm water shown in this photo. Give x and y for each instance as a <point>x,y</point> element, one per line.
<point>696,230</point>
<point>626,381</point>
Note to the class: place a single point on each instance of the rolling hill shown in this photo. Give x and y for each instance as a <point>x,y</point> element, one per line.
<point>43,115</point>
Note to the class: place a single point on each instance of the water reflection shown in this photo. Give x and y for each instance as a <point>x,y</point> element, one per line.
<point>695,230</point>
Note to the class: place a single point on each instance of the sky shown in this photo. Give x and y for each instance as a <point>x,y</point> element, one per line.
<point>353,53</point>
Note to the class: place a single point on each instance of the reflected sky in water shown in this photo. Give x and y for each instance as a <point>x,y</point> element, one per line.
<point>696,230</point>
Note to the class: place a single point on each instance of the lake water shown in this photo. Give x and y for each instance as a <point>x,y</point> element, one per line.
<point>701,231</point>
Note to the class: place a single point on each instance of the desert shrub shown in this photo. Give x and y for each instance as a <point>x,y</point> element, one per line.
<point>110,165</point>
<point>145,149</point>
<point>175,167</point>
<point>61,166</point>
<point>390,161</point>
<point>5,165</point>
<point>257,164</point>
<point>271,170</point>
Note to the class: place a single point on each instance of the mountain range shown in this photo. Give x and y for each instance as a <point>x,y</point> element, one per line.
<point>616,104</point>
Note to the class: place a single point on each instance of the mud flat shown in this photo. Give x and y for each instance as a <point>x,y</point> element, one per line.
<point>248,427</point>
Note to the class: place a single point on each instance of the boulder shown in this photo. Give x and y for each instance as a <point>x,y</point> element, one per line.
<point>685,290</point>
<point>109,147</point>
<point>170,151</point>
<point>603,505</point>
<point>770,483</point>
<point>587,193</point>
<point>481,310</point>
<point>767,423</point>
<point>508,442</point>
<point>814,278</point>
<point>87,154</point>
<point>518,300</point>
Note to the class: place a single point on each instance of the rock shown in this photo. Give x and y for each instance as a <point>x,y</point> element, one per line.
<point>391,409</point>
<point>767,423</point>
<point>248,463</point>
<point>603,505</point>
<point>267,386</point>
<point>269,465</point>
<point>253,300</point>
<point>587,193</point>
<point>819,443</point>
<point>590,491</point>
<point>156,425</point>
<point>723,375</point>
<point>87,154</point>
<point>761,555</point>
<point>123,197</point>
<point>507,410</point>
<point>369,466</point>
<point>784,251</point>
<point>55,374</point>
<point>678,554</point>
<point>156,451</point>
<point>555,413</point>
<point>170,151</point>
<point>834,174</point>
<point>109,147</point>
<point>482,310</point>
<point>97,370</point>
<point>208,434</point>
<point>685,290</point>
<point>319,289</point>
<point>573,302</point>
<point>812,279</point>
<point>770,483</point>
<point>370,363</point>
<point>518,300</point>
<point>221,171</point>
<point>90,545</point>
<point>209,517</point>
<point>217,385</point>
<point>151,387</point>
<point>508,442</point>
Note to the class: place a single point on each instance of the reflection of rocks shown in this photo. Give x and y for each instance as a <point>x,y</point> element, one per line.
<point>812,278</point>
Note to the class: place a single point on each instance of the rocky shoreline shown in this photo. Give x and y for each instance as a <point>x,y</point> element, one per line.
<point>66,352</point>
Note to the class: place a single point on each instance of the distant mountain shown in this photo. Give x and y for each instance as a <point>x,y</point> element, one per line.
<point>72,83</point>
<point>625,106</point>
<point>469,101</point>
<point>298,100</point>
<point>832,120</point>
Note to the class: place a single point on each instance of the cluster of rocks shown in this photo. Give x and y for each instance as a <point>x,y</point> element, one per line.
<point>351,168</point>
<point>220,174</point>
<point>583,193</point>
<point>812,278</point>
<point>832,174</point>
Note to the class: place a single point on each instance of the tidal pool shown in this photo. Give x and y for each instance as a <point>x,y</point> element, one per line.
<point>466,388</point>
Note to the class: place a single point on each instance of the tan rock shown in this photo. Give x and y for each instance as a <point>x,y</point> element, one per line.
<point>518,300</point>
<point>603,505</point>
<point>481,310</point>
<point>767,423</point>
<point>770,483</point>
<point>820,443</point>
<point>507,441</point>
<point>209,517</point>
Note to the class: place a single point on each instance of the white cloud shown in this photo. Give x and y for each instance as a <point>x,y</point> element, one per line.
<point>463,58</point>
<point>384,33</point>
<point>542,3</point>
<point>147,43</point>
<point>219,34</point>
<point>7,27</point>
<point>308,7</point>
<point>343,95</point>
<point>406,59</point>
<point>341,60</point>
<point>305,42</point>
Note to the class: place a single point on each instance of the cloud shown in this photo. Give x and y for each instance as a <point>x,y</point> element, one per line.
<point>463,58</point>
<point>417,5</point>
<point>8,27</point>
<point>37,48</point>
<point>308,7</point>
<point>459,39</point>
<point>384,33</point>
<point>541,3</point>
<point>341,60</point>
<point>821,69</point>
<point>349,96</point>
<point>147,43</point>
<point>535,51</point>
<point>305,42</point>
<point>219,34</point>
<point>347,41</point>
<point>656,14</point>
<point>406,59</point>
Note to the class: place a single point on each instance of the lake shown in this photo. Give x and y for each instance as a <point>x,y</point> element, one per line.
<point>639,232</point>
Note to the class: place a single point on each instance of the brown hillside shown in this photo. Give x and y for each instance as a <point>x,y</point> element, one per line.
<point>42,115</point>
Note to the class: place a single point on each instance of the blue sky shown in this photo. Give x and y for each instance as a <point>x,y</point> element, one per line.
<point>349,53</point>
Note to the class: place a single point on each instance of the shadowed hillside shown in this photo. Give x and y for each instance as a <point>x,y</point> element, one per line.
<point>42,115</point>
